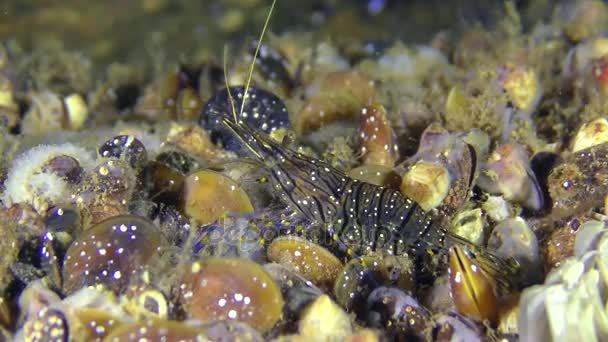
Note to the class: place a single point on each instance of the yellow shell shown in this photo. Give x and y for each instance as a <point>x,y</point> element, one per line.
<point>470,288</point>
<point>208,195</point>
<point>308,259</point>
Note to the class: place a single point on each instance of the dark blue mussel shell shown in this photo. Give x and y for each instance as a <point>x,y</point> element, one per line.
<point>263,111</point>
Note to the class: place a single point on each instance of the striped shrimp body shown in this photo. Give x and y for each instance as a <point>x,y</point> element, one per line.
<point>358,217</point>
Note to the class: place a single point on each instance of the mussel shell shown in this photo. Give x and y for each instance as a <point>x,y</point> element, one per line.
<point>297,291</point>
<point>472,290</point>
<point>209,195</point>
<point>360,277</point>
<point>163,183</point>
<point>157,330</point>
<point>64,166</point>
<point>110,252</point>
<point>179,161</point>
<point>230,289</point>
<point>125,147</point>
<point>263,111</point>
<point>62,219</point>
<point>306,258</point>
<point>273,66</point>
<point>399,313</point>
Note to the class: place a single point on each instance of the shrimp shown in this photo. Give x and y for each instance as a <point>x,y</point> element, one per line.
<point>358,217</point>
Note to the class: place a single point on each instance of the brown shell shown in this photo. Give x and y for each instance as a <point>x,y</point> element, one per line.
<point>308,259</point>
<point>230,289</point>
<point>110,253</point>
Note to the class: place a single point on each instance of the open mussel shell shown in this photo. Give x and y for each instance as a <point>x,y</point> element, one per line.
<point>306,258</point>
<point>110,253</point>
<point>231,289</point>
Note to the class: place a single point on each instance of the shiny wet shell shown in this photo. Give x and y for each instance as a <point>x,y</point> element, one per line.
<point>230,289</point>
<point>110,253</point>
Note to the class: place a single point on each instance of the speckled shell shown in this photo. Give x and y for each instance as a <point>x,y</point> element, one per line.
<point>263,110</point>
<point>110,253</point>
<point>308,259</point>
<point>230,289</point>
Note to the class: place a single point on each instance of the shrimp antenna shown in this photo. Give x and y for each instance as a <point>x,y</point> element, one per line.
<point>255,56</point>
<point>234,116</point>
<point>237,125</point>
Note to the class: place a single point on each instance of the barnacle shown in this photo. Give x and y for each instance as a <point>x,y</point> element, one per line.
<point>571,304</point>
<point>442,171</point>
